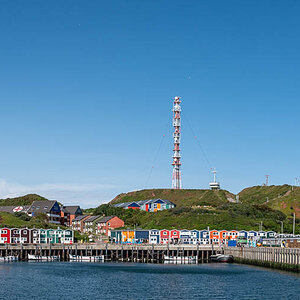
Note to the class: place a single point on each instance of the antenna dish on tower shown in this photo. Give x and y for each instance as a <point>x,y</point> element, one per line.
<point>214,185</point>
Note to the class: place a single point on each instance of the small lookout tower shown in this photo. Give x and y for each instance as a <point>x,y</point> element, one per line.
<point>214,185</point>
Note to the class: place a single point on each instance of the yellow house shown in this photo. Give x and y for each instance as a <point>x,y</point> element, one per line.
<point>128,236</point>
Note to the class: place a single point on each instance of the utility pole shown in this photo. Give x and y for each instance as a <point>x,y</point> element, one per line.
<point>294,224</point>
<point>267,179</point>
<point>281,227</point>
<point>260,225</point>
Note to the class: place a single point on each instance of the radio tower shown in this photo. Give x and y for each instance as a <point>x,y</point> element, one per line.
<point>176,178</point>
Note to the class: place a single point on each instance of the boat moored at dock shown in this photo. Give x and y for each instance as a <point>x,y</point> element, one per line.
<point>86,258</point>
<point>43,258</point>
<point>9,258</point>
<point>221,258</point>
<point>180,259</point>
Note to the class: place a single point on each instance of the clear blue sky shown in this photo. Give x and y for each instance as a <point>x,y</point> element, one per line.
<point>86,93</point>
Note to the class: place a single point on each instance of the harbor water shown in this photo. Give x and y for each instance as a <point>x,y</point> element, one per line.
<point>74,280</point>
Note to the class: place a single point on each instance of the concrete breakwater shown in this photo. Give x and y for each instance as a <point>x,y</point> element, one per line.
<point>277,258</point>
<point>112,252</point>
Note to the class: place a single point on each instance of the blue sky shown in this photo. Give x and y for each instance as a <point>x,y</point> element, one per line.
<point>86,93</point>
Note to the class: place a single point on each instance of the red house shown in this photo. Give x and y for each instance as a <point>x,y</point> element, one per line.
<point>214,237</point>
<point>164,236</point>
<point>174,236</point>
<point>107,223</point>
<point>5,236</point>
<point>223,236</point>
<point>133,205</point>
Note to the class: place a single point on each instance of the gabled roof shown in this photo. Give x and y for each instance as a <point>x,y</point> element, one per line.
<point>70,209</point>
<point>105,219</point>
<point>91,219</point>
<point>41,206</point>
<point>79,218</point>
<point>133,204</point>
<point>10,209</point>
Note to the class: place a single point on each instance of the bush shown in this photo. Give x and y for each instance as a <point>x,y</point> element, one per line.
<point>22,216</point>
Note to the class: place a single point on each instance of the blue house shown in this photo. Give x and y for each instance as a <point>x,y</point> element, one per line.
<point>271,234</point>
<point>185,236</point>
<point>154,236</point>
<point>142,236</point>
<point>252,234</point>
<point>194,236</point>
<point>243,234</point>
<point>204,237</point>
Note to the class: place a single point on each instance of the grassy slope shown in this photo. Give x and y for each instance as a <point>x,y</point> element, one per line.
<point>23,200</point>
<point>223,215</point>
<point>10,220</point>
<point>179,197</point>
<point>283,197</point>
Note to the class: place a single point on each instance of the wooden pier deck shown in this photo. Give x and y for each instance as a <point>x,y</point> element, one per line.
<point>112,252</point>
<point>282,258</point>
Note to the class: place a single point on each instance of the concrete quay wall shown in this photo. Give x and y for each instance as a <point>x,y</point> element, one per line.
<point>277,258</point>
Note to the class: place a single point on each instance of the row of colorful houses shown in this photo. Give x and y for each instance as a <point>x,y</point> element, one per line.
<point>96,224</point>
<point>36,236</point>
<point>201,237</point>
<point>152,205</point>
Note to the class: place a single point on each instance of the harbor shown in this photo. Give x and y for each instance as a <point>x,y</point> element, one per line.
<point>280,258</point>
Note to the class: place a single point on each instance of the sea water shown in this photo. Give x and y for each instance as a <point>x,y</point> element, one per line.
<point>73,280</point>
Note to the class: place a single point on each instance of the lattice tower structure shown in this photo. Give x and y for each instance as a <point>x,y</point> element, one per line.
<point>176,176</point>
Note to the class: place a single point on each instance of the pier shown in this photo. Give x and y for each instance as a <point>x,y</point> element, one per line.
<point>279,258</point>
<point>112,252</point>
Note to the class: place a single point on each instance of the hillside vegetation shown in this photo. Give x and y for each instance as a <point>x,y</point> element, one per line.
<point>216,209</point>
<point>23,200</point>
<point>181,198</point>
<point>280,197</point>
<point>23,220</point>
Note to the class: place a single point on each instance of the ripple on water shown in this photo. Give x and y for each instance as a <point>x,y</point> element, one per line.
<point>65,280</point>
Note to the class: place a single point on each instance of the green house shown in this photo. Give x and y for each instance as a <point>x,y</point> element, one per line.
<point>51,236</point>
<point>43,236</point>
<point>68,237</point>
<point>116,236</point>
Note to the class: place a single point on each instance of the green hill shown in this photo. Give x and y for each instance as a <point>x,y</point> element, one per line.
<point>22,220</point>
<point>280,197</point>
<point>23,200</point>
<point>182,198</point>
<point>216,209</point>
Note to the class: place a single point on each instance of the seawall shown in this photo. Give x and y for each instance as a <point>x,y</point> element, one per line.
<point>276,258</point>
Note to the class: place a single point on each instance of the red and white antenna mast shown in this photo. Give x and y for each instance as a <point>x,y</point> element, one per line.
<point>176,177</point>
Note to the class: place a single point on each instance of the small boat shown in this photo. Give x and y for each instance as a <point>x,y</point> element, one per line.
<point>44,258</point>
<point>221,258</point>
<point>9,258</point>
<point>180,259</point>
<point>86,258</point>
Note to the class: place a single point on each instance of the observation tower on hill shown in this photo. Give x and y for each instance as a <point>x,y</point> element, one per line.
<point>176,177</point>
